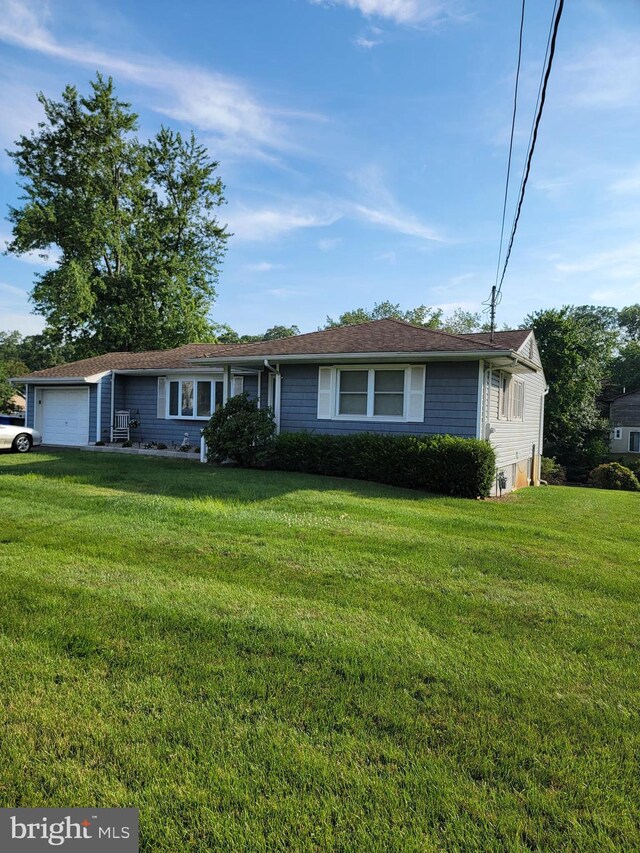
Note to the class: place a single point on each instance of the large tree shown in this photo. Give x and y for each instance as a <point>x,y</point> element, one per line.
<point>575,346</point>
<point>133,224</point>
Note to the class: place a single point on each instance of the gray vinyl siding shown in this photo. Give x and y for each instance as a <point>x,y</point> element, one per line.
<point>93,408</point>
<point>625,413</point>
<point>139,396</point>
<point>621,445</point>
<point>31,408</point>
<point>513,440</point>
<point>105,409</point>
<point>451,399</point>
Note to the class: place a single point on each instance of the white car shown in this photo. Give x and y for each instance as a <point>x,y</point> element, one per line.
<point>18,438</point>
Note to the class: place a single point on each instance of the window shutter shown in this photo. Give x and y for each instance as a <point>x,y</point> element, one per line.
<point>325,393</point>
<point>238,385</point>
<point>162,398</point>
<point>415,411</point>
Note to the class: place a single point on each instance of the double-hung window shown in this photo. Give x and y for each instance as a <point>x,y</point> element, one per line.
<point>634,442</point>
<point>511,398</point>
<point>371,393</point>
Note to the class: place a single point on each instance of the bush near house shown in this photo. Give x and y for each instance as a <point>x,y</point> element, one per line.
<point>612,475</point>
<point>552,472</point>
<point>241,431</point>
<point>463,467</point>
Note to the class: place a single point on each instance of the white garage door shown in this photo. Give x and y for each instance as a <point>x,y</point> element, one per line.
<point>65,416</point>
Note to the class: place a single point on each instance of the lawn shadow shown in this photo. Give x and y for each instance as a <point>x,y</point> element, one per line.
<point>181,479</point>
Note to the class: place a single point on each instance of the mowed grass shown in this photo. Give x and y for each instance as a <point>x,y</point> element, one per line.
<point>263,661</point>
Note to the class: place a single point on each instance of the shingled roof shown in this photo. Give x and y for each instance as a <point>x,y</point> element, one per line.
<point>377,336</point>
<point>152,360</point>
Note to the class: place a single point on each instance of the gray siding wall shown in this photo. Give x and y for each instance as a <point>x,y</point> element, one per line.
<point>451,399</point>
<point>105,409</point>
<point>513,440</point>
<point>138,395</point>
<point>93,408</point>
<point>625,412</point>
<point>30,392</point>
<point>621,445</point>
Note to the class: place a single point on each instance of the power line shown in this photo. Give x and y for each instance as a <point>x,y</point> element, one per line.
<point>496,291</point>
<point>534,137</point>
<point>513,127</point>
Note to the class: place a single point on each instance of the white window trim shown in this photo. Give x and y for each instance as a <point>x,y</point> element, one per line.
<point>194,379</point>
<point>616,434</point>
<point>369,416</point>
<point>507,382</point>
<point>632,432</point>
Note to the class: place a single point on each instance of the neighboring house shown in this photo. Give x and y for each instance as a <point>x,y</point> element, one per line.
<point>625,423</point>
<point>14,413</point>
<point>383,376</point>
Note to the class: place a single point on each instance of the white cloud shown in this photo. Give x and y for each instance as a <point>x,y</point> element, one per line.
<point>271,223</point>
<point>205,100</point>
<point>390,257</point>
<point>329,243</point>
<point>620,263</point>
<point>606,76</point>
<point>12,290</point>
<point>26,324</point>
<point>402,11</point>
<point>366,43</point>
<point>380,207</point>
<point>402,223</point>
<point>264,266</point>
<point>629,183</point>
<point>46,258</point>
<point>287,292</point>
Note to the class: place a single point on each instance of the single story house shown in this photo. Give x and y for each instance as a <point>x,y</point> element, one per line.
<point>382,376</point>
<point>625,423</point>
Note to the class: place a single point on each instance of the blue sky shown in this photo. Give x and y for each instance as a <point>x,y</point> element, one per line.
<point>363,143</point>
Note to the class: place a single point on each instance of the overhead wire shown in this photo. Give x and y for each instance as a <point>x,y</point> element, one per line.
<point>534,135</point>
<point>513,127</point>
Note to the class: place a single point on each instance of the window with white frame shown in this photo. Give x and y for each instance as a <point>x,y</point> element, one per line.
<point>634,442</point>
<point>384,393</point>
<point>616,433</point>
<point>196,399</point>
<point>511,398</point>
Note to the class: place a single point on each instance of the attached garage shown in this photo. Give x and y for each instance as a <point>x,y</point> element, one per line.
<point>62,415</point>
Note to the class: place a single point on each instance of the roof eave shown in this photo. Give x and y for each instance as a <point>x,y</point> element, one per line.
<point>428,355</point>
<point>30,379</point>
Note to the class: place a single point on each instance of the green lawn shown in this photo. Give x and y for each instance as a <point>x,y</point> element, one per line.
<point>265,662</point>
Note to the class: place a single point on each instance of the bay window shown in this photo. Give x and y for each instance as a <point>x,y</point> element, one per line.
<point>195,398</point>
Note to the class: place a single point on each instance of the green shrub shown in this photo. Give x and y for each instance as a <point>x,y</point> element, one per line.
<point>463,467</point>
<point>241,431</point>
<point>612,475</point>
<point>127,444</point>
<point>161,446</point>
<point>99,443</point>
<point>552,472</point>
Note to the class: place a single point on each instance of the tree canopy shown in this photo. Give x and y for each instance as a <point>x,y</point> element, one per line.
<point>576,344</point>
<point>137,244</point>
<point>459,322</point>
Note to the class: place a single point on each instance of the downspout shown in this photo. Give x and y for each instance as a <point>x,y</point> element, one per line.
<point>226,378</point>
<point>99,411</point>
<point>541,434</point>
<point>276,395</point>
<point>113,403</point>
